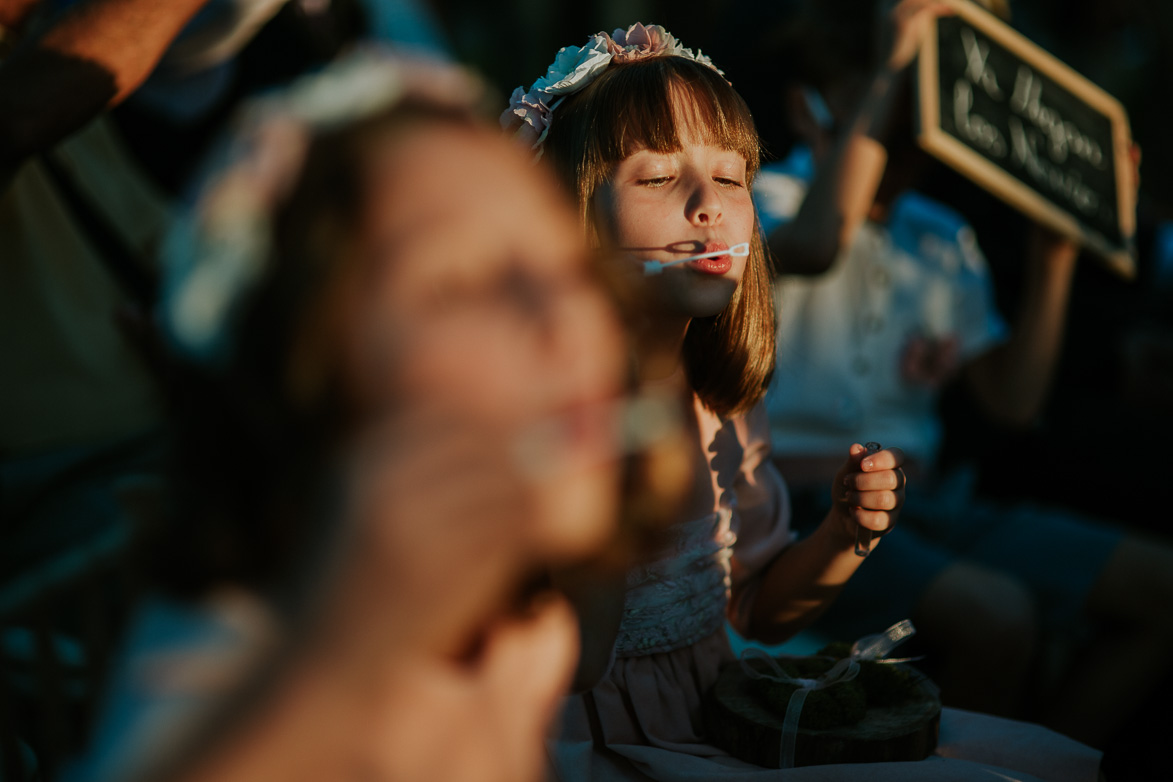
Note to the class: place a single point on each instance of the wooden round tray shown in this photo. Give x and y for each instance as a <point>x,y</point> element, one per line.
<point>744,727</point>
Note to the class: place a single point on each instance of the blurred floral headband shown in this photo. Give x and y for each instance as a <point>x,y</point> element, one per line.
<point>220,248</point>
<point>529,113</point>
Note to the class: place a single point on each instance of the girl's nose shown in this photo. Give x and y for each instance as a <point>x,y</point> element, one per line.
<point>704,203</point>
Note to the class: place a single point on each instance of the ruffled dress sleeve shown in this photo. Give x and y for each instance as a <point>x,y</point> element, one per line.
<point>762,514</point>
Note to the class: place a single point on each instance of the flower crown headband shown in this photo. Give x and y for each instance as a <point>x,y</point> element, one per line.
<point>219,249</point>
<point>529,113</point>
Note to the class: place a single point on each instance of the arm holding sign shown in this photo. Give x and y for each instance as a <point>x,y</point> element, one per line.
<point>91,58</point>
<point>1010,382</point>
<point>843,192</point>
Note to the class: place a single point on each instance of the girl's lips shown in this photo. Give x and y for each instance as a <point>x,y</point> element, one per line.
<point>720,264</point>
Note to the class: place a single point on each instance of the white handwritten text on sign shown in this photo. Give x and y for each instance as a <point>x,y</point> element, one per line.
<point>1029,129</point>
<point>1041,140</point>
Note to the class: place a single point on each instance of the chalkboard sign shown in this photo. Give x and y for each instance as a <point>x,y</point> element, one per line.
<point>1035,133</point>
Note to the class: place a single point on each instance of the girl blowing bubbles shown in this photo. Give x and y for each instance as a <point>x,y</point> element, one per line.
<point>661,154</point>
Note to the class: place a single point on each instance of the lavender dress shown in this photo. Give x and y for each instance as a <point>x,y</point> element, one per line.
<point>645,720</point>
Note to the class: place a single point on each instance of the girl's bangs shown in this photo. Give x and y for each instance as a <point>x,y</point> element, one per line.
<point>659,103</point>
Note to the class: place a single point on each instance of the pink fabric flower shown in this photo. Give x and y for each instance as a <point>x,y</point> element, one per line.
<point>639,41</point>
<point>528,116</point>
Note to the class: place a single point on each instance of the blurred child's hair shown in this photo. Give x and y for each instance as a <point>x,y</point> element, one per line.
<point>258,434</point>
<point>652,103</point>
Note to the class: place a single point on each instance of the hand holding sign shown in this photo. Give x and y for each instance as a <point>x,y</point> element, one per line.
<point>909,21</point>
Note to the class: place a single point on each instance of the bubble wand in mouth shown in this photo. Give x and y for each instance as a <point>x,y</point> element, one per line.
<point>655,267</point>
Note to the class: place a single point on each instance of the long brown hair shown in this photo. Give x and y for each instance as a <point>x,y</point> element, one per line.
<point>729,357</point>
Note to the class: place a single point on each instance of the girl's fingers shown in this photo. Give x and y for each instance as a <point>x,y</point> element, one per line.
<point>909,21</point>
<point>878,521</point>
<point>539,651</point>
<point>910,8</point>
<point>891,480</point>
<point>855,455</point>
<point>873,500</point>
<point>527,667</point>
<point>887,459</point>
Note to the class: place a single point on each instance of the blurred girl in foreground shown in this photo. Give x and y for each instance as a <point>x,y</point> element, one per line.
<point>400,385</point>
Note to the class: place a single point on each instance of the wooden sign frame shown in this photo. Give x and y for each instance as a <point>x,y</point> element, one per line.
<point>957,154</point>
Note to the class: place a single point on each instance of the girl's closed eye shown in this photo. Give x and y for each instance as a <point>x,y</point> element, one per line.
<point>729,181</point>
<point>729,170</point>
<point>732,181</point>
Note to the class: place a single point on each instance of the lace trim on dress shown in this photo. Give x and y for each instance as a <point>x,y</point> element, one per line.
<point>680,598</point>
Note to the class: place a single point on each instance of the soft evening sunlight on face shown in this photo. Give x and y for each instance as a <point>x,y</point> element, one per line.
<point>482,301</point>
<point>664,206</point>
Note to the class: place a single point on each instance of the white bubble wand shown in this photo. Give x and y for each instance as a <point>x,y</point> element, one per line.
<point>655,267</point>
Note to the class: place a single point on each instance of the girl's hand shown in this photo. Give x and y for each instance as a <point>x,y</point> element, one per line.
<point>14,13</point>
<point>446,528</point>
<point>929,362</point>
<point>499,704</point>
<point>905,24</point>
<point>868,491</point>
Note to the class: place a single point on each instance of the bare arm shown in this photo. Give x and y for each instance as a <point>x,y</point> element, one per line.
<point>1010,382</point>
<point>14,14</point>
<point>91,58</point>
<point>805,578</point>
<point>801,583</point>
<point>844,189</point>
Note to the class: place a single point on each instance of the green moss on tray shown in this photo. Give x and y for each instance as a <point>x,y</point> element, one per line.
<point>884,684</point>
